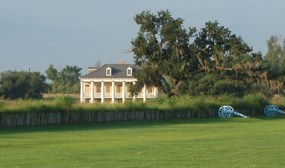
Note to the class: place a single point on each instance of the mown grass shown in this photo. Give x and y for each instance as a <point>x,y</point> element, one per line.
<point>235,142</point>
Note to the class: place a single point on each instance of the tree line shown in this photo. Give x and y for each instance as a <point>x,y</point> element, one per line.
<point>27,85</point>
<point>209,61</point>
<point>180,61</point>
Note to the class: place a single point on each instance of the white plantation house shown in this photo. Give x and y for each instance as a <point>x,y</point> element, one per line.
<point>111,83</point>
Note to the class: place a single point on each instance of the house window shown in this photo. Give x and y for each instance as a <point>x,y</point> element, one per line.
<point>129,71</point>
<point>87,87</point>
<point>119,88</point>
<point>108,71</point>
<point>98,88</point>
<point>108,89</point>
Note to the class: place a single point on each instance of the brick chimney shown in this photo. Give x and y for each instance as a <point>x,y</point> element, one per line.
<point>91,69</point>
<point>122,61</point>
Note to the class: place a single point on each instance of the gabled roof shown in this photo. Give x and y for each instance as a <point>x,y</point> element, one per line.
<point>118,71</point>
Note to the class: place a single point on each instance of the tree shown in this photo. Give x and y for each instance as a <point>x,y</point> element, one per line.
<point>169,54</point>
<point>52,73</point>
<point>273,55</point>
<point>26,85</point>
<point>66,80</point>
<point>221,52</point>
<point>162,50</point>
<point>282,59</point>
<point>274,66</point>
<point>70,74</point>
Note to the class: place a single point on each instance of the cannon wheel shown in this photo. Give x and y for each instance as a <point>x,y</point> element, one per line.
<point>226,112</point>
<point>271,110</point>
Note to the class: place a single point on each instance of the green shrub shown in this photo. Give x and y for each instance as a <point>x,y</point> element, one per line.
<point>171,102</point>
<point>252,104</point>
<point>230,87</point>
<point>65,102</point>
<point>202,104</point>
<point>226,99</point>
<point>161,103</point>
<point>249,104</point>
<point>200,85</point>
<point>2,103</point>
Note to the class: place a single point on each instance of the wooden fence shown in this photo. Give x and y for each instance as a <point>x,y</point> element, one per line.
<point>54,118</point>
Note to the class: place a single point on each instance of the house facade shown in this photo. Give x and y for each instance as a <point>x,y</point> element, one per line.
<point>111,83</point>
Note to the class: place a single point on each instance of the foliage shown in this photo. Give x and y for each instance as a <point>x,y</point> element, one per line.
<point>64,81</point>
<point>273,55</point>
<point>275,59</point>
<point>21,105</point>
<point>69,74</point>
<point>218,50</point>
<point>197,104</point>
<point>65,102</point>
<point>26,85</point>
<point>210,85</point>
<point>161,49</point>
<point>171,55</point>
<point>230,87</point>
<point>200,85</point>
<point>2,103</point>
<point>52,73</point>
<point>251,104</point>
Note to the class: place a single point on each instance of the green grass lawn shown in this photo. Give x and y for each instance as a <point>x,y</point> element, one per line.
<point>235,142</point>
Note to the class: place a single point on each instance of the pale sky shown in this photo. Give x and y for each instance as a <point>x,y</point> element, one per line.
<point>37,33</point>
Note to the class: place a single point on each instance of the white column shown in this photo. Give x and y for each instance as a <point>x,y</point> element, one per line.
<point>155,92</point>
<point>82,92</point>
<point>123,92</point>
<point>102,92</point>
<point>113,92</point>
<point>92,92</point>
<point>144,93</point>
<point>134,97</point>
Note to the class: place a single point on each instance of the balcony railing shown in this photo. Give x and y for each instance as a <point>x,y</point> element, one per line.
<point>117,95</point>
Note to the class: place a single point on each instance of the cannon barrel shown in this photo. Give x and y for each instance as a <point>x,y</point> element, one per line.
<point>272,110</point>
<point>228,111</point>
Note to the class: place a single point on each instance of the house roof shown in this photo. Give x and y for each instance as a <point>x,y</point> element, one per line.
<point>118,71</point>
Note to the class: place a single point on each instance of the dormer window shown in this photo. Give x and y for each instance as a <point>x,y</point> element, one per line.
<point>129,71</point>
<point>108,71</point>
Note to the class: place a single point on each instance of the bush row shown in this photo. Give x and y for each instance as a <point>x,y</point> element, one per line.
<point>250,105</point>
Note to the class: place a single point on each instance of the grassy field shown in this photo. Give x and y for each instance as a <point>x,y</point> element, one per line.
<point>235,142</point>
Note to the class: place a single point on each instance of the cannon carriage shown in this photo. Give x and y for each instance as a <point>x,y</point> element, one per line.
<point>228,112</point>
<point>272,110</point>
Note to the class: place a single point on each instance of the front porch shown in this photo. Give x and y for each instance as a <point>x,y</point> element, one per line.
<point>112,92</point>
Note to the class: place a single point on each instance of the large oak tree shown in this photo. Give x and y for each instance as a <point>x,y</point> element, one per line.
<point>170,54</point>
<point>162,50</point>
